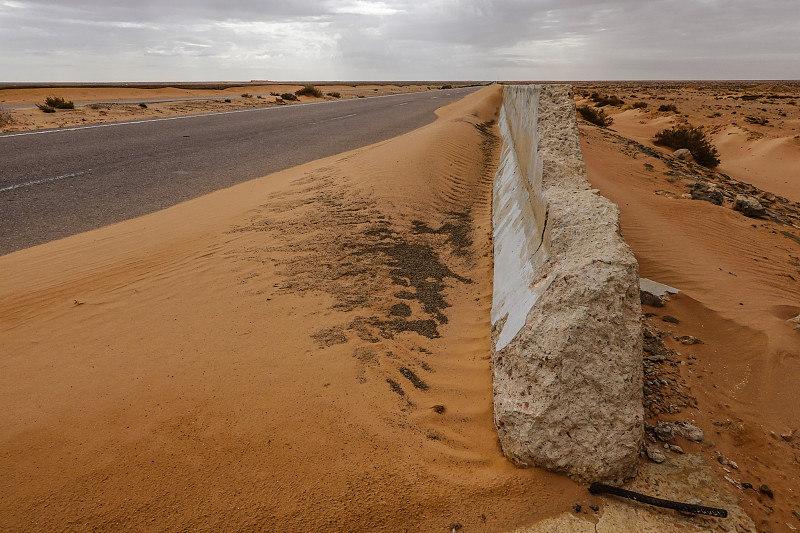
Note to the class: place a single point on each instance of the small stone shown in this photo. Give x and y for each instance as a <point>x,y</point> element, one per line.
<point>648,298</point>
<point>665,431</point>
<point>675,448</point>
<point>796,514</point>
<point>655,454</point>
<point>672,319</point>
<point>683,153</point>
<point>766,491</point>
<point>787,436</point>
<point>707,192</point>
<point>749,206</point>
<point>746,485</point>
<point>689,431</point>
<point>577,507</point>
<point>594,507</point>
<point>688,339</point>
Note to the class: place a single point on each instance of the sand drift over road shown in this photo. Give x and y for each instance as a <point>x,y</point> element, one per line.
<point>306,352</point>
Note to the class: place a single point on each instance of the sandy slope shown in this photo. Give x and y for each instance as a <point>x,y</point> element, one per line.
<point>303,352</point>
<point>740,282</point>
<point>765,155</point>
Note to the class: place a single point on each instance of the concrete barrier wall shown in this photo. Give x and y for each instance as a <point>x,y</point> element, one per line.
<point>566,315</point>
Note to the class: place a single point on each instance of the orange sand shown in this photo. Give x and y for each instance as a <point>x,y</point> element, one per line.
<point>740,282</point>
<point>243,361</point>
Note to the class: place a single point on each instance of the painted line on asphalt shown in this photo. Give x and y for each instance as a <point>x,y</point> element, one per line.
<point>43,180</point>
<point>185,117</point>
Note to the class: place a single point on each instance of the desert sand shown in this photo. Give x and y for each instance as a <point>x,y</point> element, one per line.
<point>309,350</point>
<point>739,277</point>
<point>95,105</point>
<point>304,352</point>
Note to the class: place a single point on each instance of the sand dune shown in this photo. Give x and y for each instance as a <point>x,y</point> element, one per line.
<point>303,352</point>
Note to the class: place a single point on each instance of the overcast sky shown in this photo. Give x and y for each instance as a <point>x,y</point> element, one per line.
<point>185,40</point>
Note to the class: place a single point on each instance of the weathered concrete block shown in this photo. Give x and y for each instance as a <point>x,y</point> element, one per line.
<point>566,315</point>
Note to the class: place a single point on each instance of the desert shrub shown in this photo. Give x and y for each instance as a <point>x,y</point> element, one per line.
<point>640,105</point>
<point>289,96</point>
<point>335,94</point>
<point>58,103</point>
<point>602,101</point>
<point>227,100</point>
<point>596,116</point>
<point>46,108</point>
<point>686,136</point>
<point>761,121</point>
<point>95,107</point>
<point>715,114</point>
<point>247,95</point>
<point>309,90</point>
<point>361,96</point>
<point>6,118</point>
<point>274,94</point>
<point>668,107</point>
<point>447,86</point>
<point>259,97</point>
<point>143,105</point>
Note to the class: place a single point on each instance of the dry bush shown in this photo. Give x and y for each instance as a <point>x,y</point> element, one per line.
<point>596,116</point>
<point>686,136</point>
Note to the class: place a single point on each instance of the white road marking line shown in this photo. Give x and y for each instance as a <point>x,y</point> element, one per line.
<point>184,117</point>
<point>343,116</point>
<point>398,105</point>
<point>43,180</point>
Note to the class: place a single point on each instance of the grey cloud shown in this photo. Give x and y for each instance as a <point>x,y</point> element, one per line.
<point>400,39</point>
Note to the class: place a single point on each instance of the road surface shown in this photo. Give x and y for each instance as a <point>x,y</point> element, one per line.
<point>56,183</point>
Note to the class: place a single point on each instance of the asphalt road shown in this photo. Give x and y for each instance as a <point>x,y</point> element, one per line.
<point>56,183</point>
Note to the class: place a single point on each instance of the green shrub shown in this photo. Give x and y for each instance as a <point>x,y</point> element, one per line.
<point>761,121</point>
<point>640,105</point>
<point>686,136</point>
<point>143,105</point>
<point>227,100</point>
<point>309,90</point>
<point>58,103</point>
<point>46,108</point>
<point>247,95</point>
<point>335,94</point>
<point>668,107</point>
<point>447,87</point>
<point>289,96</point>
<point>596,116</point>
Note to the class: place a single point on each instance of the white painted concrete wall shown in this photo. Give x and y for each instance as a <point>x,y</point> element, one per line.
<point>566,316</point>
